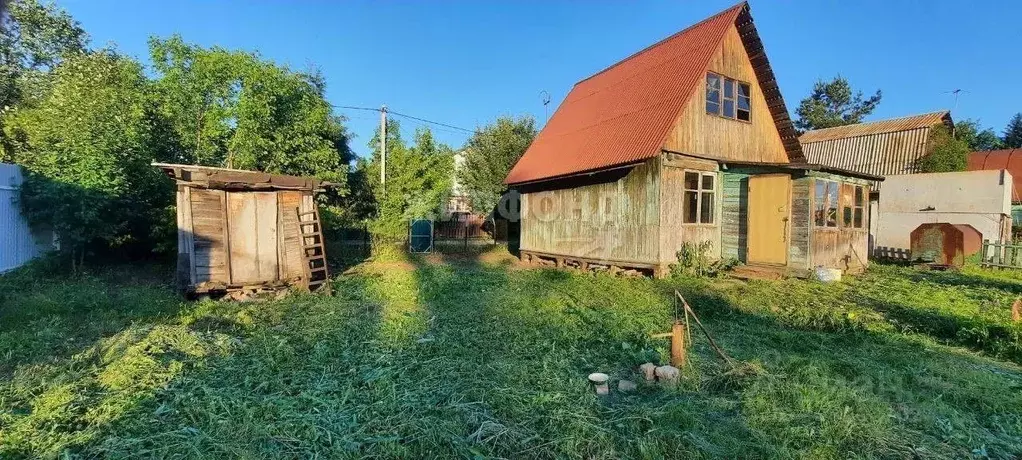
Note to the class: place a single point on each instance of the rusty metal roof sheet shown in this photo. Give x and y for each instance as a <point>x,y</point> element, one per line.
<point>236,179</point>
<point>1010,159</point>
<point>890,125</point>
<point>623,114</point>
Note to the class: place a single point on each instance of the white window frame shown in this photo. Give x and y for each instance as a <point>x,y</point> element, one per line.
<point>699,191</point>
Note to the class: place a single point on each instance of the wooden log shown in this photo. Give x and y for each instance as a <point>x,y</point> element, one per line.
<point>679,354</point>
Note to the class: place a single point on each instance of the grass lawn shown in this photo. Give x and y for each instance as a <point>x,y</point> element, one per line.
<point>476,357</point>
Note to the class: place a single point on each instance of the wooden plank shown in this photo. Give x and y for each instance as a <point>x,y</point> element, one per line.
<point>266,234</point>
<point>242,214</point>
<point>186,223</point>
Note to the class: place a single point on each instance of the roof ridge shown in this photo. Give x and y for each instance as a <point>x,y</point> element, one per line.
<point>742,4</point>
<point>918,115</point>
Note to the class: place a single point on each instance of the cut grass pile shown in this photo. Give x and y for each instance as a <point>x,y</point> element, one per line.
<point>426,357</point>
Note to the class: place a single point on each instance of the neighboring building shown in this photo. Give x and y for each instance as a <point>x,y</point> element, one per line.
<point>459,202</point>
<point>18,242</point>
<point>981,199</point>
<point>1010,159</point>
<point>687,141</point>
<point>880,148</point>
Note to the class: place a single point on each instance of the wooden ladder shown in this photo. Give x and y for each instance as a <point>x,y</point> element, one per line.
<point>312,247</point>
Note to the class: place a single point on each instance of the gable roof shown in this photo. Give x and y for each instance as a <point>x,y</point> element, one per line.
<point>623,114</point>
<point>882,147</point>
<point>890,125</point>
<point>1010,159</point>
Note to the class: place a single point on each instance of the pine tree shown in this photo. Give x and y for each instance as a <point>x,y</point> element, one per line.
<point>1013,133</point>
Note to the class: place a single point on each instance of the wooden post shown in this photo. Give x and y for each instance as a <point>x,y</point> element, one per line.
<point>1016,310</point>
<point>678,352</point>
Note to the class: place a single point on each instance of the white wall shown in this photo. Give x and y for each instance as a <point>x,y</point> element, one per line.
<point>978,198</point>
<point>18,244</point>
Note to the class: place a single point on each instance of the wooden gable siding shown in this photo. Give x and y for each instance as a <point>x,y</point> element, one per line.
<point>673,231</point>
<point>615,221</point>
<point>699,133</point>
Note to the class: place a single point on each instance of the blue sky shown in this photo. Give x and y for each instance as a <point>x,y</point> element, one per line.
<point>466,62</point>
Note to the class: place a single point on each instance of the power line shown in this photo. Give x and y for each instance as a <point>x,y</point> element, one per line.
<point>437,123</point>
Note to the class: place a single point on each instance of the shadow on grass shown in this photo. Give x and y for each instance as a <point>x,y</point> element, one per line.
<point>464,356</point>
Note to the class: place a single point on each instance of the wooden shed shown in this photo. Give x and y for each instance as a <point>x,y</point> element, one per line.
<point>687,142</point>
<point>242,230</point>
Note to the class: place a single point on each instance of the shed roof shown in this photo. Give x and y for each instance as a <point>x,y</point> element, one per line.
<point>236,179</point>
<point>623,114</point>
<point>1010,159</point>
<point>889,125</point>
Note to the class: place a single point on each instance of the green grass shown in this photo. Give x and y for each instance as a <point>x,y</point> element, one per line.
<point>473,357</point>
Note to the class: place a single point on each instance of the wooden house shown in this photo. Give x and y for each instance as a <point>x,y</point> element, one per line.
<point>686,142</point>
<point>244,230</point>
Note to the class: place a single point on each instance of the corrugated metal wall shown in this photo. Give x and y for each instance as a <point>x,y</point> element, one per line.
<point>17,242</point>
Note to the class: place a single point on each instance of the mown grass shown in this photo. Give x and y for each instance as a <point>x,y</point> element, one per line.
<point>473,357</point>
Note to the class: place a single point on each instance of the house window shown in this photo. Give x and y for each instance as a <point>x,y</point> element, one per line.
<point>826,203</point>
<point>853,206</point>
<point>728,98</point>
<point>700,198</point>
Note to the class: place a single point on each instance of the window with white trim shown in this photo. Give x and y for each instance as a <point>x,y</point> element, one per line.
<point>699,199</point>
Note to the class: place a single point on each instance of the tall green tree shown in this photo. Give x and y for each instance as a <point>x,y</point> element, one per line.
<point>977,138</point>
<point>87,146</point>
<point>834,103</point>
<point>34,38</point>
<point>947,153</point>
<point>489,155</point>
<point>418,182</point>
<point>1013,132</point>
<point>235,109</point>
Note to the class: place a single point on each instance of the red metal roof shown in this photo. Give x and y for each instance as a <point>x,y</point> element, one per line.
<point>623,114</point>
<point>1010,159</point>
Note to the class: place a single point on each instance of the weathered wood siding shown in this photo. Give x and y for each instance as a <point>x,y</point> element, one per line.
<point>290,251</point>
<point>843,248</point>
<point>800,221</point>
<point>698,133</point>
<point>208,236</point>
<point>614,221</point>
<point>734,215</point>
<point>673,231</point>
<point>252,236</point>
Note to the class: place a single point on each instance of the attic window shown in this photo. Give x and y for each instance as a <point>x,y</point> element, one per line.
<point>728,98</point>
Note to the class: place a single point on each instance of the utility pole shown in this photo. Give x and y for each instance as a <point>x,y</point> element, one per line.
<point>383,145</point>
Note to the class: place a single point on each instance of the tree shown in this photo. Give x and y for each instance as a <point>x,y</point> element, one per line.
<point>489,155</point>
<point>1013,132</point>
<point>947,153</point>
<point>34,38</point>
<point>419,179</point>
<point>87,146</point>
<point>234,109</point>
<point>834,104</point>
<point>978,140</point>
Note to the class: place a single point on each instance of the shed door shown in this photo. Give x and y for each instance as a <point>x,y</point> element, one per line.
<point>252,221</point>
<point>769,209</point>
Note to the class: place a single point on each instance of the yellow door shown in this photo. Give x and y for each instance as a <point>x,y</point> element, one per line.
<point>769,203</point>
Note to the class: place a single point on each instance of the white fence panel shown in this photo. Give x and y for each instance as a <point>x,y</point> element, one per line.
<point>18,244</point>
